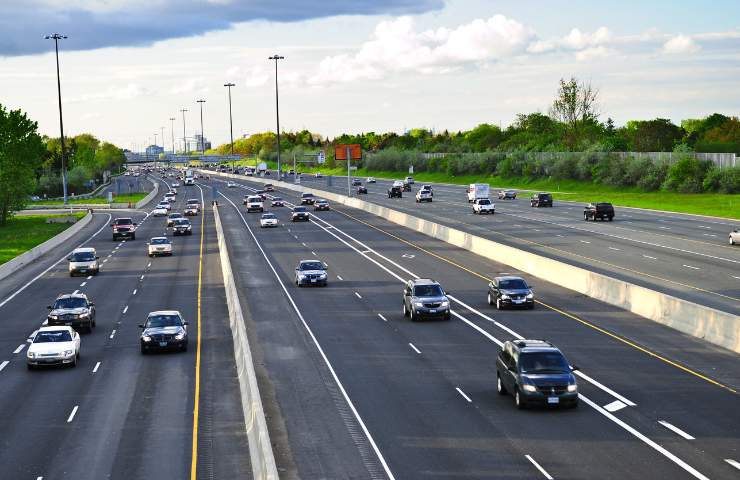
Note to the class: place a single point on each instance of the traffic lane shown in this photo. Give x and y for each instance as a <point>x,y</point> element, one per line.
<point>463,376</point>
<point>376,371</point>
<point>683,276</point>
<point>42,402</point>
<point>619,365</point>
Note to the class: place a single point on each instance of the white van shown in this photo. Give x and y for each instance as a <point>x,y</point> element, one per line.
<point>83,261</point>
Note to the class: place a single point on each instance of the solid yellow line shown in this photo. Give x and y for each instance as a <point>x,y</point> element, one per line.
<point>569,315</point>
<point>196,405</point>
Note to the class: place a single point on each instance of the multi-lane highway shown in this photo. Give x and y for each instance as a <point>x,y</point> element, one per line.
<point>686,256</point>
<point>359,391</point>
<point>120,414</point>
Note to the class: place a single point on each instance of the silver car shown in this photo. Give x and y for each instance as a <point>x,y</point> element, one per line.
<point>735,237</point>
<point>83,261</point>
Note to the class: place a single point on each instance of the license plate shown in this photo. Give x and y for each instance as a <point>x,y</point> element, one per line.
<point>69,324</point>
<point>432,311</point>
<point>518,301</point>
<point>313,280</point>
<point>164,344</point>
<point>553,400</point>
<point>83,270</point>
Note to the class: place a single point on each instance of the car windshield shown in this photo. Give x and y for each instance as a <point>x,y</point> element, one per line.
<point>182,221</point>
<point>484,202</point>
<point>307,195</point>
<point>254,199</point>
<point>299,209</point>
<point>83,257</point>
<point>543,362</point>
<point>428,291</point>
<point>513,284</point>
<point>321,201</point>
<point>277,199</point>
<point>159,321</point>
<point>159,241</point>
<point>312,266</point>
<point>70,302</point>
<point>193,202</point>
<point>124,221</point>
<point>175,215</point>
<point>268,215</point>
<point>53,336</point>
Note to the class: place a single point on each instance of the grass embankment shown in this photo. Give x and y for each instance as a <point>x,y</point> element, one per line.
<point>22,233</point>
<point>133,198</point>
<point>714,204</point>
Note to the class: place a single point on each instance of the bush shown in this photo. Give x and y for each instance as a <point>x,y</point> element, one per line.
<point>653,177</point>
<point>726,180</point>
<point>687,175</point>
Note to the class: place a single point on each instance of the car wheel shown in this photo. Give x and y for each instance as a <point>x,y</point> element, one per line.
<point>31,367</point>
<point>585,217</point>
<point>498,304</point>
<point>531,306</point>
<point>611,218</point>
<point>71,274</point>
<point>411,315</point>
<point>490,300</point>
<point>448,317</point>
<point>500,388</point>
<point>133,237</point>
<point>518,400</point>
<point>405,312</point>
<point>74,363</point>
<point>732,241</point>
<point>184,348</point>
<point>143,350</point>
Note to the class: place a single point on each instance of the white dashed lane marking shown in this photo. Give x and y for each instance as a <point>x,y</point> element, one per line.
<point>72,415</point>
<point>463,394</point>
<point>20,348</point>
<point>414,348</point>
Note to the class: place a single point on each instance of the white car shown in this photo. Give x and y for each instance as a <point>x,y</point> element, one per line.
<point>254,204</point>
<point>159,211</point>
<point>53,346</point>
<point>423,196</point>
<point>83,261</point>
<point>159,246</point>
<point>735,237</point>
<point>268,220</point>
<point>176,185</point>
<point>484,206</point>
<point>370,180</point>
<point>165,204</point>
<point>318,175</point>
<point>230,184</point>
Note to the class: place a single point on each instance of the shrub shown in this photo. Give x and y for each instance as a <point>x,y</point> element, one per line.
<point>726,180</point>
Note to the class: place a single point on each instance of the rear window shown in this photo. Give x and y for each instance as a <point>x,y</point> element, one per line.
<point>485,201</point>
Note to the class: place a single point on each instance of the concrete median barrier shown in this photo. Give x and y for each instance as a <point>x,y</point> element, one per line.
<point>260,448</point>
<point>715,326</point>
<point>26,258</point>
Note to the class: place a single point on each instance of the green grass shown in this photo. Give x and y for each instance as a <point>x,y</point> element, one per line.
<point>22,233</point>
<point>133,198</point>
<point>714,204</point>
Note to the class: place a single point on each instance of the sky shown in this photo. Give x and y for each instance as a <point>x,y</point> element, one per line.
<point>355,66</point>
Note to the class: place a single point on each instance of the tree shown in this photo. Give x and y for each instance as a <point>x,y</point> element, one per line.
<point>574,106</point>
<point>21,154</point>
<point>659,135</point>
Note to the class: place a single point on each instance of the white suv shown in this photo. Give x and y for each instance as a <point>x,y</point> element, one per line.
<point>254,204</point>
<point>484,205</point>
<point>83,261</point>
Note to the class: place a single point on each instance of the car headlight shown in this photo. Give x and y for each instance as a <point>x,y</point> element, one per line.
<point>301,276</point>
<point>190,227</point>
<point>54,317</point>
<point>83,315</point>
<point>323,275</point>
<point>418,304</point>
<point>504,296</point>
<point>67,353</point>
<point>180,336</point>
<point>572,387</point>
<point>529,388</point>
<point>146,338</point>
<point>530,295</point>
<point>31,354</point>
<point>445,303</point>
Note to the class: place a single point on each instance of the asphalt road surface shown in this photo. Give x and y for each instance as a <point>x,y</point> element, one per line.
<point>686,256</point>
<point>119,414</point>
<point>359,391</point>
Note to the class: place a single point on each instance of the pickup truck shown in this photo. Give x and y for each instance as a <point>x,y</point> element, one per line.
<point>395,191</point>
<point>484,206</point>
<point>124,228</point>
<point>600,210</point>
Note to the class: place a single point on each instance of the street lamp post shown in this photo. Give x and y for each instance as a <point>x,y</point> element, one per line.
<point>231,124</point>
<point>277,112</point>
<point>172,130</point>
<point>202,138</point>
<point>184,138</point>
<point>56,37</point>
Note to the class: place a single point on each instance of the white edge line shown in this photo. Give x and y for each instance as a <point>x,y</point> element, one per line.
<point>358,295</point>
<point>604,388</point>
<point>72,415</point>
<point>113,333</point>
<point>676,430</point>
<point>340,278</point>
<point>135,290</point>
<point>125,309</point>
<point>732,462</point>
<point>3,365</point>
<point>538,467</point>
<point>414,348</point>
<point>334,375</point>
<point>463,395</point>
<point>382,317</point>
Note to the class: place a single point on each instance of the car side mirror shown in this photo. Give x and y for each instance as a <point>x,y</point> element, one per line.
<point>91,304</point>
<point>141,325</point>
<point>69,259</point>
<point>110,225</point>
<point>97,258</point>
<point>135,224</point>
<point>326,267</point>
<point>573,368</point>
<point>49,307</point>
<point>184,323</point>
<point>447,293</point>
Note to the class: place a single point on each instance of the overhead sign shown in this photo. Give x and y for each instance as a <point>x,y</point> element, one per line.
<point>355,151</point>
<point>321,157</point>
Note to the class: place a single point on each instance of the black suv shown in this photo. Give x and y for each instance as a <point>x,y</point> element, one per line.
<point>541,200</point>
<point>592,211</point>
<point>424,298</point>
<point>536,372</point>
<point>395,192</point>
<point>74,310</point>
<point>307,199</point>
<point>510,292</point>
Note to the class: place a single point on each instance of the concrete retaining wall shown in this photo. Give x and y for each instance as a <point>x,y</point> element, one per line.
<point>260,448</point>
<point>715,326</point>
<point>24,259</point>
<point>149,197</point>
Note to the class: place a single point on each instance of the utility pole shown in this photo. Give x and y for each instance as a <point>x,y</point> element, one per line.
<point>202,137</point>
<point>277,112</point>
<point>184,138</point>
<point>56,37</point>
<point>231,124</point>
<point>172,129</point>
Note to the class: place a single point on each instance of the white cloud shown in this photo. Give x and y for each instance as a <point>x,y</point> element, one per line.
<point>680,44</point>
<point>127,92</point>
<point>593,53</point>
<point>192,85</point>
<point>397,46</point>
<point>574,40</point>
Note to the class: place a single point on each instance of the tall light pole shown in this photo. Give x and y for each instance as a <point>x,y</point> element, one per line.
<point>56,37</point>
<point>172,129</point>
<point>277,111</point>
<point>184,138</point>
<point>231,123</point>
<point>161,129</point>
<point>202,138</point>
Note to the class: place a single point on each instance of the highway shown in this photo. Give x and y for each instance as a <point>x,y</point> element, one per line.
<point>686,256</point>
<point>359,391</point>
<point>120,414</point>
